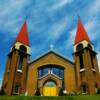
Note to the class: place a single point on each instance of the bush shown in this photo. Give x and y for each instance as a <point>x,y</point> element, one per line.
<point>74,93</point>
<point>98,91</point>
<point>2,92</point>
<point>61,92</point>
<point>37,92</point>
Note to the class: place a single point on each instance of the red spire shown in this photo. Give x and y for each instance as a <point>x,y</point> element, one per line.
<point>81,33</point>
<point>23,35</point>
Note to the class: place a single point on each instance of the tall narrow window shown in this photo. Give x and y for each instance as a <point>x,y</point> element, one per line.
<point>22,50</point>
<point>84,88</point>
<point>96,87</point>
<point>78,48</point>
<point>92,57</point>
<point>81,61</point>
<point>10,60</point>
<point>16,89</point>
<point>40,73</point>
<point>20,62</point>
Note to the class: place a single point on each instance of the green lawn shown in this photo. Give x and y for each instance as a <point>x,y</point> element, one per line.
<point>86,97</point>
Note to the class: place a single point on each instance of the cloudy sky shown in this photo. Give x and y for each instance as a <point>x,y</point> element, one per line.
<point>49,22</point>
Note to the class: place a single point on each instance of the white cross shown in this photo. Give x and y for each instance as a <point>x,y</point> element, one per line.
<point>51,46</point>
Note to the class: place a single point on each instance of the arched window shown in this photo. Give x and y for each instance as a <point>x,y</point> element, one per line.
<point>51,69</point>
<point>80,55</point>
<point>96,87</point>
<point>21,56</point>
<point>84,88</point>
<point>50,83</point>
<point>16,89</point>
<point>79,47</point>
<point>81,61</point>
<point>20,61</point>
<point>92,59</point>
<point>23,48</point>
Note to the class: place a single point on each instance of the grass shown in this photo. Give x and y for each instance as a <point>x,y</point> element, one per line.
<point>80,97</point>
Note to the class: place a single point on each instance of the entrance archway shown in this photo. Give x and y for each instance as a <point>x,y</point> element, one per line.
<point>50,88</point>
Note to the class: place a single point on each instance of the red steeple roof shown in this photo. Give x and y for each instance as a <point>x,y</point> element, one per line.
<point>23,35</point>
<point>81,33</point>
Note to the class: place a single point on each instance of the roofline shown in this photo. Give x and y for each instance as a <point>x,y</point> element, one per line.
<point>51,51</point>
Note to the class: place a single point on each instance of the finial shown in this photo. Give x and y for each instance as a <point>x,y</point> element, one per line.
<point>26,17</point>
<point>78,17</point>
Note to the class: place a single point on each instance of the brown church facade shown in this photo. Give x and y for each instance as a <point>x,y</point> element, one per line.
<point>51,74</point>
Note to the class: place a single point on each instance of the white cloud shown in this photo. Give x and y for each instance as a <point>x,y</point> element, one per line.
<point>71,38</point>
<point>94,8</point>
<point>61,4</point>
<point>0,83</point>
<point>11,14</point>
<point>98,57</point>
<point>57,29</point>
<point>90,28</point>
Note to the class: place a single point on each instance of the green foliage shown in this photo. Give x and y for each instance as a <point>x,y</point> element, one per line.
<point>2,92</point>
<point>61,92</point>
<point>37,92</point>
<point>98,91</point>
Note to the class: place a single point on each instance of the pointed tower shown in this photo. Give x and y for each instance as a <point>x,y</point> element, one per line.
<point>15,75</point>
<point>86,66</point>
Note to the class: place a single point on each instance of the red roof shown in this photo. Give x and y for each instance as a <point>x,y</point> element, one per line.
<point>81,33</point>
<point>23,35</point>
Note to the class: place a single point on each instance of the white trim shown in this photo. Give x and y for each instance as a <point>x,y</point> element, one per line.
<point>43,76</point>
<point>84,93</point>
<point>56,75</point>
<point>15,93</point>
<point>50,74</point>
<point>26,93</point>
<point>18,44</point>
<point>18,70</point>
<point>93,69</point>
<point>85,44</point>
<point>82,70</point>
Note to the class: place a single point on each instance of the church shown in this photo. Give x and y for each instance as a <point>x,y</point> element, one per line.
<point>51,74</point>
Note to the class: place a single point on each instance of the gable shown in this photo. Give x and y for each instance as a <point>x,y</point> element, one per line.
<point>50,57</point>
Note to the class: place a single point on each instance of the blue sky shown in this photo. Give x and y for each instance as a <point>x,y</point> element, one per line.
<point>49,22</point>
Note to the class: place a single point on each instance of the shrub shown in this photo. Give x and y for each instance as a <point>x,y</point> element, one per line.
<point>74,93</point>
<point>2,92</point>
<point>37,92</point>
<point>61,92</point>
<point>98,91</point>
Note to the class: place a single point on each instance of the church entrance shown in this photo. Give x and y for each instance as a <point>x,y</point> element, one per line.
<point>50,89</point>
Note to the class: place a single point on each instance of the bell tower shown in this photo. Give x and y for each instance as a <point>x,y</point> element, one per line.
<point>86,66</point>
<point>15,75</point>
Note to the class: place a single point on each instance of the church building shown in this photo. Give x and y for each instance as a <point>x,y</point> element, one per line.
<point>51,74</point>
